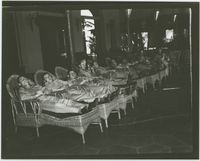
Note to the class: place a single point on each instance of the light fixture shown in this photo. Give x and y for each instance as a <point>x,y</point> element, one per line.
<point>157,13</point>
<point>129,12</point>
<point>175,17</point>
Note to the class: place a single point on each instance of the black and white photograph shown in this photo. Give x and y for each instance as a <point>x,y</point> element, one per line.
<point>100,80</point>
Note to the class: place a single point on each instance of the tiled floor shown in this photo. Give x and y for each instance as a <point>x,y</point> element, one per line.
<point>158,127</point>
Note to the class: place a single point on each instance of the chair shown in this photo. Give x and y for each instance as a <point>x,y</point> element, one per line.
<point>25,113</point>
<point>61,73</point>
<point>126,97</point>
<point>77,123</point>
<point>141,83</point>
<point>163,74</point>
<point>106,108</point>
<point>152,79</point>
<point>133,92</point>
<point>36,117</point>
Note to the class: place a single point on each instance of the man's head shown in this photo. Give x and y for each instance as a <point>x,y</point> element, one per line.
<point>23,82</point>
<point>48,78</point>
<point>72,74</point>
<point>95,64</point>
<point>83,64</point>
<point>114,63</point>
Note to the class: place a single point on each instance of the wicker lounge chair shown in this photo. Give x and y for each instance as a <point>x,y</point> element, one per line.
<point>106,108</point>
<point>35,116</point>
<point>163,73</point>
<point>25,113</point>
<point>141,83</point>
<point>77,123</point>
<point>126,96</point>
<point>61,73</point>
<point>152,79</point>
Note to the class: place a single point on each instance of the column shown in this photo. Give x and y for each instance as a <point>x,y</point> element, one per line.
<point>71,50</point>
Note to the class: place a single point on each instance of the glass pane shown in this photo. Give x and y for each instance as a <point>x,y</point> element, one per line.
<point>145,39</point>
<point>86,13</point>
<point>89,35</point>
<point>169,35</point>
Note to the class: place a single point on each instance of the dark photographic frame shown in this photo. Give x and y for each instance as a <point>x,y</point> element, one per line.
<point>51,6</point>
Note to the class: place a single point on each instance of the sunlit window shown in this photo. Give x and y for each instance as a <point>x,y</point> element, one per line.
<point>89,35</point>
<point>88,30</point>
<point>86,13</point>
<point>145,39</point>
<point>169,35</point>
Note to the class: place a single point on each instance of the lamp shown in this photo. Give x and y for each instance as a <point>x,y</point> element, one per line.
<point>175,17</point>
<point>157,13</point>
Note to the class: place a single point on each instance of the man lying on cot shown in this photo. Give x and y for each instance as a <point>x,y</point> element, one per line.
<point>78,89</point>
<point>100,87</point>
<point>66,89</point>
<point>28,90</point>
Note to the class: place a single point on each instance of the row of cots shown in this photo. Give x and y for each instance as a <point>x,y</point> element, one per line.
<point>80,123</point>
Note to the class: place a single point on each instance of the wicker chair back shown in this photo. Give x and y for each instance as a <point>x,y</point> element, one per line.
<point>13,87</point>
<point>39,77</point>
<point>61,73</point>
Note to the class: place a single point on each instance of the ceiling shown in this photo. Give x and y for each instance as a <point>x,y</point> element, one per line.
<point>145,19</point>
<point>146,13</point>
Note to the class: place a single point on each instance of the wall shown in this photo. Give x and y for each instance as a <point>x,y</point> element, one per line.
<point>77,37</point>
<point>109,16</point>
<point>29,42</point>
<point>10,58</point>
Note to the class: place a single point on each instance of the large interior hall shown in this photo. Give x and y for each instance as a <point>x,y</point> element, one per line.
<point>110,80</point>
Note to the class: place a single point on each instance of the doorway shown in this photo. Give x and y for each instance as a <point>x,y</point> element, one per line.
<point>53,41</point>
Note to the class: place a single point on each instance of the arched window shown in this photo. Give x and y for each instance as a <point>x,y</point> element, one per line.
<point>88,28</point>
<point>86,13</point>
